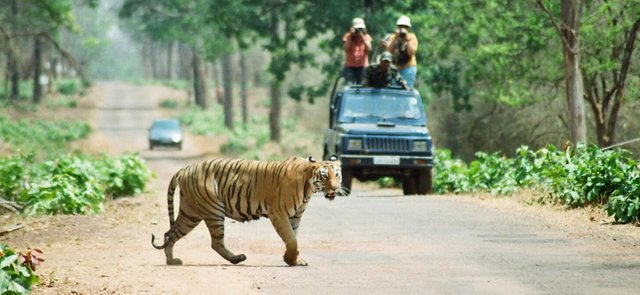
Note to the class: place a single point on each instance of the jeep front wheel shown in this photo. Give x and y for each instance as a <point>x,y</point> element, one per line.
<point>424,181</point>
<point>409,185</point>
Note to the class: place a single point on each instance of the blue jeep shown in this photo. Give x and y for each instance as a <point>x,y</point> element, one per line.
<point>379,132</point>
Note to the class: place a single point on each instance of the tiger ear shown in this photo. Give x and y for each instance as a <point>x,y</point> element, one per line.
<point>333,158</point>
<point>311,159</point>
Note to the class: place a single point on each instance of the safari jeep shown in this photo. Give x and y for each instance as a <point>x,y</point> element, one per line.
<point>379,132</point>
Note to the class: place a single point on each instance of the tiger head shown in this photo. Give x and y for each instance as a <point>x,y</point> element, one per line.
<point>326,177</point>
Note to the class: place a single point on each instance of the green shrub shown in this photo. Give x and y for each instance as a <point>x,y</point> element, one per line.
<point>71,184</point>
<point>387,182</point>
<point>31,136</point>
<point>67,185</point>
<point>126,175</point>
<point>450,175</point>
<point>169,104</point>
<point>68,86</point>
<point>17,270</point>
<point>577,177</point>
<point>62,102</point>
<point>204,122</point>
<point>12,171</point>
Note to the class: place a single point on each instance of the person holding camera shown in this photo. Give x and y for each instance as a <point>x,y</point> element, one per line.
<point>403,46</point>
<point>357,45</point>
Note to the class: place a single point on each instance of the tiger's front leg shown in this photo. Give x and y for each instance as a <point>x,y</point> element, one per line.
<point>285,231</point>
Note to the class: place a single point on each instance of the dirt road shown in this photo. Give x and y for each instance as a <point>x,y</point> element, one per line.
<point>374,242</point>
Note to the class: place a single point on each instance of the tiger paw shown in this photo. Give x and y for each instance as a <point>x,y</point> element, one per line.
<point>297,262</point>
<point>238,258</point>
<point>174,261</point>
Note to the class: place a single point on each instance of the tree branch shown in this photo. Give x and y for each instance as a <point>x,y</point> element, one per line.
<point>67,56</point>
<point>565,42</point>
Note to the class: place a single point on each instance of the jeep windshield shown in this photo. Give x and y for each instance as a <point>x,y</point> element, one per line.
<point>374,107</point>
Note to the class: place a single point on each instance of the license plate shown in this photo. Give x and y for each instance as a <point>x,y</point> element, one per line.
<point>386,160</point>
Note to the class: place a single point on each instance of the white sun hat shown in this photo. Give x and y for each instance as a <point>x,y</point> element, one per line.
<point>404,21</point>
<point>358,23</point>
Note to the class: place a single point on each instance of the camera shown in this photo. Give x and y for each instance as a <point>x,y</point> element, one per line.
<point>360,30</point>
<point>402,32</point>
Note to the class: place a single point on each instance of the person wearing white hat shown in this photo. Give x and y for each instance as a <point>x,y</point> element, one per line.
<point>357,45</point>
<point>403,45</point>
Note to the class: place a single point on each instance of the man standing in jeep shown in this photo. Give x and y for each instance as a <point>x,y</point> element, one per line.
<point>383,74</point>
<point>403,46</point>
<point>357,45</point>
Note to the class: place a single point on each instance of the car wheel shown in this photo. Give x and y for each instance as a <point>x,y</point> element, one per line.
<point>347,179</point>
<point>409,185</point>
<point>180,146</point>
<point>424,181</point>
<point>150,145</point>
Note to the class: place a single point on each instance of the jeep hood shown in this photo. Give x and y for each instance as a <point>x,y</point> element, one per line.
<point>370,129</point>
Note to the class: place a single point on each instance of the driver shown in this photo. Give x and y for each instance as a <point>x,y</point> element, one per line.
<point>383,74</point>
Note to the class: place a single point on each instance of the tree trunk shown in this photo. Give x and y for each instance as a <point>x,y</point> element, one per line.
<point>199,81</point>
<point>171,74</point>
<point>186,62</point>
<point>216,80</point>
<point>276,82</point>
<point>14,75</point>
<point>243,90</point>
<point>227,80</point>
<point>37,69</point>
<point>14,71</point>
<point>146,56</point>
<point>571,17</point>
<point>274,114</point>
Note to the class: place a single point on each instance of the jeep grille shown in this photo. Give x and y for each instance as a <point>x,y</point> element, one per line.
<point>384,144</point>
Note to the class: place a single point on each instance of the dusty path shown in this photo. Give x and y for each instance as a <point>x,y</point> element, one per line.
<point>375,242</point>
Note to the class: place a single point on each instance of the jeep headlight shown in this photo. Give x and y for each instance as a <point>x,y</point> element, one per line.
<point>420,146</point>
<point>354,144</point>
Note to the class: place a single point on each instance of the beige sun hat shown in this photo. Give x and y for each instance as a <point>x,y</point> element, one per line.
<point>404,20</point>
<point>358,23</point>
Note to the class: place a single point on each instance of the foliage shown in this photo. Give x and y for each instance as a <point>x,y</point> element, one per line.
<point>17,270</point>
<point>69,86</point>
<point>11,175</point>
<point>204,122</point>
<point>31,136</point>
<point>66,185</point>
<point>577,177</point>
<point>169,104</point>
<point>62,102</point>
<point>242,142</point>
<point>71,184</point>
<point>126,175</point>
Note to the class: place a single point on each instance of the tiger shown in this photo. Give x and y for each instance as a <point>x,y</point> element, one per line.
<point>245,190</point>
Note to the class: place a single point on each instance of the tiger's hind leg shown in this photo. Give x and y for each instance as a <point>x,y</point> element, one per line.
<point>185,223</point>
<point>215,224</point>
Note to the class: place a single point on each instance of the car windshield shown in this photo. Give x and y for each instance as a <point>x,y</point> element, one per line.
<point>166,124</point>
<point>374,107</point>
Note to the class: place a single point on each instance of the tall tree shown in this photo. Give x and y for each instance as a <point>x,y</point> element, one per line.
<point>175,20</point>
<point>569,31</point>
<point>37,69</point>
<point>281,26</point>
<point>244,80</point>
<point>227,81</point>
<point>611,33</point>
<point>38,21</point>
